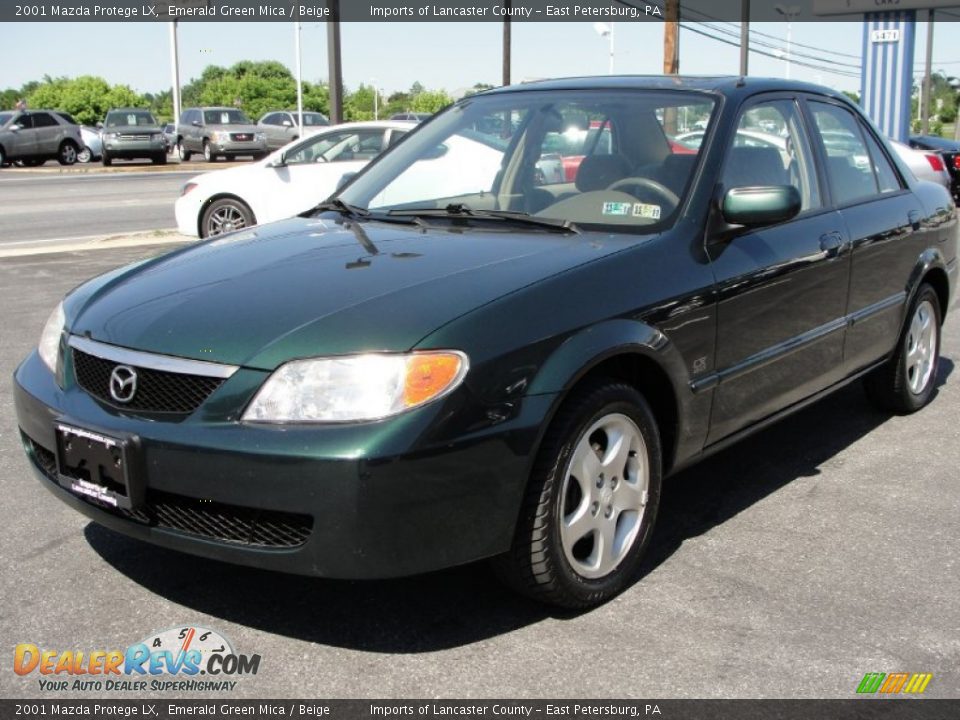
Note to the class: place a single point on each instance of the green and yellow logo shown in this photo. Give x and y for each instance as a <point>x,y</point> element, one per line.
<point>914,683</point>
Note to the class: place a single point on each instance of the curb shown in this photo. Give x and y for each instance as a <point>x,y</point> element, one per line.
<point>97,242</point>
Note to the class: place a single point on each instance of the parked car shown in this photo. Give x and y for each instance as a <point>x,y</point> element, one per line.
<point>417,375</point>
<point>92,149</point>
<point>291,180</point>
<point>924,164</point>
<point>949,152</point>
<point>218,133</point>
<point>130,134</point>
<point>411,116</point>
<point>32,137</point>
<point>282,127</point>
<point>170,137</point>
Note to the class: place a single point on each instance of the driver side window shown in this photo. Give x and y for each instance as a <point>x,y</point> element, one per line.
<point>771,148</point>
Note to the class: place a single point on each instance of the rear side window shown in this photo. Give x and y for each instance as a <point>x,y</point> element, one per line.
<point>886,176</point>
<point>43,120</point>
<point>849,165</point>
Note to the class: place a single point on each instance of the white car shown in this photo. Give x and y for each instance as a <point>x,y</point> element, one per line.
<point>289,181</point>
<point>296,178</point>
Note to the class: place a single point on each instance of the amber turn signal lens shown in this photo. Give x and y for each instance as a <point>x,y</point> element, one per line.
<point>429,375</point>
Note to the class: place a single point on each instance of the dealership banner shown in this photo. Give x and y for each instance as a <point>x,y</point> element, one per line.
<point>489,709</point>
<point>423,10</point>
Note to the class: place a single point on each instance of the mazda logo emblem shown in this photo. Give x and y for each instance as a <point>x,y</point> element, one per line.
<point>123,383</point>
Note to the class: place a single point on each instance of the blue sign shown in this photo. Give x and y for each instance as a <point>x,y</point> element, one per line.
<point>886,83</point>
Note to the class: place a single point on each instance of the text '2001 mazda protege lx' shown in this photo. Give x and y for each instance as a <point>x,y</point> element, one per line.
<point>404,379</point>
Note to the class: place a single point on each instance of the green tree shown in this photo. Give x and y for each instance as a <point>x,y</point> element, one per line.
<point>430,101</point>
<point>87,97</point>
<point>359,105</point>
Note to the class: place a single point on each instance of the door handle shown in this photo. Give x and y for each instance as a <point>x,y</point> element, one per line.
<point>831,243</point>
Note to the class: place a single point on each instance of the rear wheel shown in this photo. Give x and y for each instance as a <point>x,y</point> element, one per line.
<point>106,159</point>
<point>160,159</point>
<point>67,154</point>
<point>3,158</point>
<point>591,502</point>
<point>905,383</point>
<point>225,215</point>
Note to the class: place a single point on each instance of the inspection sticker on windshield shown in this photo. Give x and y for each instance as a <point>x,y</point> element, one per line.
<point>643,210</point>
<point>616,208</point>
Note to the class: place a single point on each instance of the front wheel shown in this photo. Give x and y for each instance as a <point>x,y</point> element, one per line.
<point>183,153</point>
<point>106,159</point>
<point>225,215</point>
<point>159,159</point>
<point>207,152</point>
<point>905,383</point>
<point>67,155</point>
<point>591,502</point>
<point>85,155</point>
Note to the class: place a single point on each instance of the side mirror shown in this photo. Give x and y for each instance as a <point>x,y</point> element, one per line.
<point>761,205</point>
<point>99,126</point>
<point>196,123</point>
<point>14,128</point>
<point>287,123</point>
<point>344,179</point>
<point>279,161</point>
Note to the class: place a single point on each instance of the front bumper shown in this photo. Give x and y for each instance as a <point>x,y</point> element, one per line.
<point>134,148</point>
<point>372,500</point>
<point>236,148</point>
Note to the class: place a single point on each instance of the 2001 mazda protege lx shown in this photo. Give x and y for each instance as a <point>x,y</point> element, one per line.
<point>403,380</point>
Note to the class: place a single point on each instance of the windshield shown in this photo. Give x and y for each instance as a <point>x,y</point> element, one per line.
<point>225,117</point>
<point>5,118</point>
<point>315,119</point>
<point>590,157</point>
<point>129,118</point>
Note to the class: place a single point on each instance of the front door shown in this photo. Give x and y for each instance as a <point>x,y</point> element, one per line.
<point>782,289</point>
<point>24,140</point>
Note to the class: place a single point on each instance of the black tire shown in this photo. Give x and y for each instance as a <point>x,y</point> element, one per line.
<point>537,564</point>
<point>207,152</point>
<point>159,159</point>
<point>67,153</point>
<point>182,152</point>
<point>3,158</point>
<point>899,385</point>
<point>85,155</point>
<point>106,159</point>
<point>218,209</point>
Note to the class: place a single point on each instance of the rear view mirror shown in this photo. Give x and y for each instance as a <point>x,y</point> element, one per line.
<point>761,205</point>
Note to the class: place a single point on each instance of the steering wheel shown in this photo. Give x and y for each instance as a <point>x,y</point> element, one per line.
<point>662,191</point>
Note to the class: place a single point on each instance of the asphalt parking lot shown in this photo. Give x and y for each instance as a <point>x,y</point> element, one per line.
<point>823,548</point>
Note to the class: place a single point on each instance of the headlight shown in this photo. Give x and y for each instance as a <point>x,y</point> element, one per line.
<point>215,136</point>
<point>260,136</point>
<point>355,388</point>
<point>112,136</point>
<point>156,136</point>
<point>49,347</point>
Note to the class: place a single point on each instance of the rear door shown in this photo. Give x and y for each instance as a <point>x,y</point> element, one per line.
<point>884,222</point>
<point>782,289</point>
<point>47,133</point>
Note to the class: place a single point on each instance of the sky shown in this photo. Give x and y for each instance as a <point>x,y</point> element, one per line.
<point>393,56</point>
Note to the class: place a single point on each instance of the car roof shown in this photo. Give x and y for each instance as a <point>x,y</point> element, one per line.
<point>727,85</point>
<point>384,124</point>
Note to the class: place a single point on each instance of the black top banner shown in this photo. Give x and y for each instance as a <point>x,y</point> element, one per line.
<point>453,10</point>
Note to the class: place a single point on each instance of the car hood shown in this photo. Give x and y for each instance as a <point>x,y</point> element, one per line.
<point>134,129</point>
<point>249,129</point>
<point>317,286</point>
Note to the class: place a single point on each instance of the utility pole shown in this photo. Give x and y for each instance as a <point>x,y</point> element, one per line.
<point>506,43</point>
<point>744,37</point>
<point>927,79</point>
<point>175,71</point>
<point>296,44</point>
<point>334,67</point>
<point>671,38</point>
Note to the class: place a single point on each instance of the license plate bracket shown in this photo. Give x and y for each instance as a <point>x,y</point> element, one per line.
<point>98,467</point>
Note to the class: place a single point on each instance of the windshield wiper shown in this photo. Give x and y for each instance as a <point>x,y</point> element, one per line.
<point>514,216</point>
<point>341,207</point>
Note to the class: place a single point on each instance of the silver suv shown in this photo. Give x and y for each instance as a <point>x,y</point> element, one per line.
<point>132,133</point>
<point>35,136</point>
<point>218,132</point>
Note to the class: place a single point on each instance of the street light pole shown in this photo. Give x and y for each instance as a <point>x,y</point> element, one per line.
<point>789,12</point>
<point>744,37</point>
<point>296,43</point>
<point>927,83</point>
<point>175,71</point>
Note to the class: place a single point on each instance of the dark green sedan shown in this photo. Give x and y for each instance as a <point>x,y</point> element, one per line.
<point>460,356</point>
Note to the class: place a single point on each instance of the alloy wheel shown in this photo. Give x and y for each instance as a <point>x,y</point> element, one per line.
<point>224,219</point>
<point>921,347</point>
